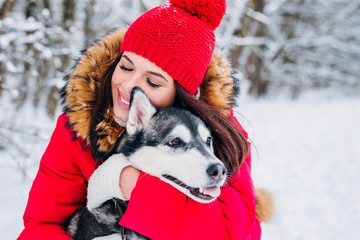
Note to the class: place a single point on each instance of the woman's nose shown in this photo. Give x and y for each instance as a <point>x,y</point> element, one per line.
<point>131,82</point>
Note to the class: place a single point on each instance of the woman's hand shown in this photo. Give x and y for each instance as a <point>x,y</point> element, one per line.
<point>127,181</point>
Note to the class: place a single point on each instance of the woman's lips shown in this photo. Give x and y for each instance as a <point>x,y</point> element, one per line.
<point>123,102</point>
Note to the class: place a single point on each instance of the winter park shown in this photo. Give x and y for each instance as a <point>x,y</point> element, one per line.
<point>297,64</point>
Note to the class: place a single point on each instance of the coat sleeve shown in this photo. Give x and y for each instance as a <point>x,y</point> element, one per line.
<point>59,187</point>
<point>159,211</point>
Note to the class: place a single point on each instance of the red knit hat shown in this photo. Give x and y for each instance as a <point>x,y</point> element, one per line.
<point>179,38</point>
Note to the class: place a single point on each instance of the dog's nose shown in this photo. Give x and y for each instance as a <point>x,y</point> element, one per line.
<point>216,171</point>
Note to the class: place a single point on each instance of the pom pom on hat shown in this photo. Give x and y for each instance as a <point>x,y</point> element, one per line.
<point>210,11</point>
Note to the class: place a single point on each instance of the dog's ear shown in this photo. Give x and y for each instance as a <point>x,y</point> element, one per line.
<point>140,112</point>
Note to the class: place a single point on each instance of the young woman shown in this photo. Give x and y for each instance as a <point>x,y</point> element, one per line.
<point>169,53</point>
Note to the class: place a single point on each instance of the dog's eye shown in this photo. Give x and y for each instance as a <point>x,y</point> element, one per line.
<point>209,141</point>
<point>176,142</point>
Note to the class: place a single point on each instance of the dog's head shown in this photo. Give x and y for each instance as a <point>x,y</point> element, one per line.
<point>174,145</point>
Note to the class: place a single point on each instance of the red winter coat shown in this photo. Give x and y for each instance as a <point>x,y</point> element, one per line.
<point>156,209</point>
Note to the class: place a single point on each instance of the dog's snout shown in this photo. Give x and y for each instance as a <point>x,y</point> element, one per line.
<point>216,171</point>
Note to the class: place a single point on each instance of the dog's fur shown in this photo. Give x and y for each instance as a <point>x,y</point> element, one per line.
<point>168,143</point>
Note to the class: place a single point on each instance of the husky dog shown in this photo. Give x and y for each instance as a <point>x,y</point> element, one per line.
<point>168,143</point>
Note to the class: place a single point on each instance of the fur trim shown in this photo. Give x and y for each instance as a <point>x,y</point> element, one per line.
<point>82,85</point>
<point>80,91</point>
<point>264,205</point>
<point>218,86</point>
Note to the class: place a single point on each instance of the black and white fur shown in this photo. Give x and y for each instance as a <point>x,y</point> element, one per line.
<point>168,143</point>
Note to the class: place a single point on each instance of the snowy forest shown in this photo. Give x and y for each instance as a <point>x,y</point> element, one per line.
<point>280,49</point>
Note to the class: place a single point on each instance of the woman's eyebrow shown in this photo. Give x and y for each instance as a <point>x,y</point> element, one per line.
<point>127,58</point>
<point>157,74</point>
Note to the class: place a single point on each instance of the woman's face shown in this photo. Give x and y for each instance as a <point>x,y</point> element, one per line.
<point>136,71</point>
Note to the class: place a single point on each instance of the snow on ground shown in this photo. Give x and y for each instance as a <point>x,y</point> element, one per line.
<point>308,156</point>
<point>31,132</point>
<point>306,152</point>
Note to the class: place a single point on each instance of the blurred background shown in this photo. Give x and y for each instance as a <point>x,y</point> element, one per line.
<point>298,62</point>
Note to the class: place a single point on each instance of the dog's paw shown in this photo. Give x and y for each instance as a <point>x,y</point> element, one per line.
<point>264,205</point>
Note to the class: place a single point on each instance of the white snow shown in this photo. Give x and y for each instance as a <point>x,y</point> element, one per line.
<point>306,152</point>
<point>308,156</point>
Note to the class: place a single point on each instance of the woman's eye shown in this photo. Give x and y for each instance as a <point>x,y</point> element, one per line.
<point>125,68</point>
<point>209,141</point>
<point>176,142</point>
<point>152,84</point>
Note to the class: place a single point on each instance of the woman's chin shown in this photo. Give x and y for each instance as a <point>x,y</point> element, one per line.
<point>121,114</point>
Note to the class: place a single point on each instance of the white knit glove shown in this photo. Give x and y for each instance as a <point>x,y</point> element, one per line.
<point>104,182</point>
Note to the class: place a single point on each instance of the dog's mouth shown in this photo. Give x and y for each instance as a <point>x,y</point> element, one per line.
<point>207,194</point>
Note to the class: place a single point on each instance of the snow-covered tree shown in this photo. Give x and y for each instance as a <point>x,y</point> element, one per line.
<point>288,46</point>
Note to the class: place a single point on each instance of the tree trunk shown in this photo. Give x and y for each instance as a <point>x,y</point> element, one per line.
<point>68,13</point>
<point>6,8</point>
<point>46,4</point>
<point>30,9</point>
<point>255,64</point>
<point>88,30</point>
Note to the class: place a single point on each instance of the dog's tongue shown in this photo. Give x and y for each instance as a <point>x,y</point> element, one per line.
<point>212,191</point>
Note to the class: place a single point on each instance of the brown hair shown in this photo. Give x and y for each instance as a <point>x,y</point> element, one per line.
<point>230,145</point>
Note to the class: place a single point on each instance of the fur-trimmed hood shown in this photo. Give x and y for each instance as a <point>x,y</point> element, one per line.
<point>82,86</point>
